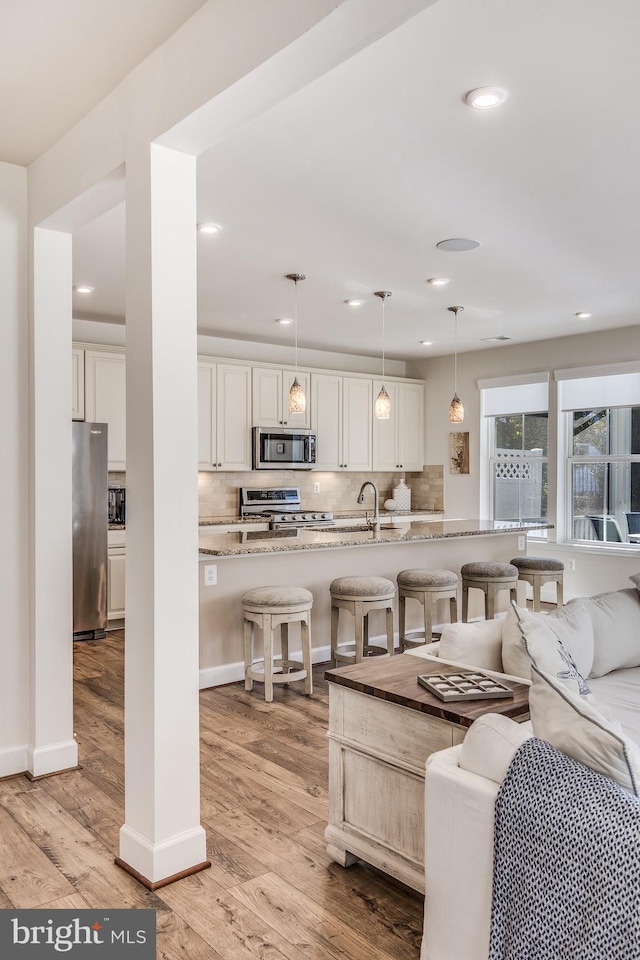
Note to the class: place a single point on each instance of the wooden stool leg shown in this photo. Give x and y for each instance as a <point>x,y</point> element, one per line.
<point>248,653</point>
<point>361,624</point>
<point>402,613</point>
<point>268,657</point>
<point>559,595</point>
<point>305,636</point>
<point>390,640</point>
<point>284,646</point>
<point>335,615</point>
<point>536,594</point>
<point>427,602</point>
<point>465,602</point>
<point>490,602</point>
<point>513,594</point>
<point>453,609</point>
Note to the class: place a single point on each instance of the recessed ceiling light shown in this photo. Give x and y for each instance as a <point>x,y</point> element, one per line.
<point>484,98</point>
<point>427,343</point>
<point>83,288</point>
<point>438,281</point>
<point>457,244</point>
<point>354,303</point>
<point>583,315</point>
<point>284,321</point>
<point>209,228</point>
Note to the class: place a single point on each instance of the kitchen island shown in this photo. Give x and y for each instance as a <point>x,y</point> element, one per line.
<point>311,558</point>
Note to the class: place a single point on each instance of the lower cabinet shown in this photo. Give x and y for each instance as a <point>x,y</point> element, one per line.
<point>115,583</point>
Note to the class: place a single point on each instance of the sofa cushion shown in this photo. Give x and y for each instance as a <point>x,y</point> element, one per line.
<point>490,745</point>
<point>570,626</point>
<point>616,630</point>
<point>575,725</point>
<point>478,643</point>
<point>619,692</point>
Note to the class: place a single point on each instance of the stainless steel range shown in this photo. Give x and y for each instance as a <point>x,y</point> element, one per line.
<point>281,506</point>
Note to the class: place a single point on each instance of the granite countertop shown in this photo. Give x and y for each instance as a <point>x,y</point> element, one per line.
<point>116,526</point>
<point>247,542</point>
<point>355,515</point>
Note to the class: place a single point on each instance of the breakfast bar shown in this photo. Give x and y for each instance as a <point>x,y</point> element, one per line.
<point>245,557</point>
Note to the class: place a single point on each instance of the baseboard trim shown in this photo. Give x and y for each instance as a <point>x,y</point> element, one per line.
<point>167,880</point>
<point>52,759</point>
<point>233,672</point>
<point>13,761</point>
<point>52,773</point>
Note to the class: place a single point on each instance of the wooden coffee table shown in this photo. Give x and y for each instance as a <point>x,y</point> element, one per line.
<point>382,727</point>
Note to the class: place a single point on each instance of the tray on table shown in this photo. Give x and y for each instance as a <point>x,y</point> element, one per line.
<point>466,685</point>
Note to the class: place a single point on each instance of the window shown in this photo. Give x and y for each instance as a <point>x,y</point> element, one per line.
<point>601,422</point>
<point>515,448</point>
<point>604,471</point>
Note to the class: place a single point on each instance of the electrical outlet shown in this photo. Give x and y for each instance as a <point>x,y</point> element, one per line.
<point>520,543</point>
<point>316,487</point>
<point>571,564</point>
<point>210,575</point>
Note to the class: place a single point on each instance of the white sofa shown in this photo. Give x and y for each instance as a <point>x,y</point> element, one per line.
<point>601,730</point>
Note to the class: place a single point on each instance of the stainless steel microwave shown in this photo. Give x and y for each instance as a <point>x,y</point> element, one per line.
<point>281,449</point>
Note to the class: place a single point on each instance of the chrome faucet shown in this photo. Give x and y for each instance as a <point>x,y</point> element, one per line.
<point>375,523</point>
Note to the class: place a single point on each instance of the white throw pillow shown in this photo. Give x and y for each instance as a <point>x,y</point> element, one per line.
<point>576,726</point>
<point>478,644</point>
<point>616,630</point>
<point>570,626</point>
<point>490,745</point>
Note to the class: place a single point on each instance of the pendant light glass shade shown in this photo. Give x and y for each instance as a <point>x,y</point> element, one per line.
<point>456,408</point>
<point>382,406</point>
<point>297,399</point>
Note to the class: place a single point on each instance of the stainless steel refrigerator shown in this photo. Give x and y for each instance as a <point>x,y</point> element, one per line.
<point>90,525</point>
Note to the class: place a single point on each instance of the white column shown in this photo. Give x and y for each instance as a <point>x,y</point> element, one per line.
<point>162,835</point>
<point>51,744</point>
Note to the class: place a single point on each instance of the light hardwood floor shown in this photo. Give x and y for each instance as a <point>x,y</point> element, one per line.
<point>272,892</point>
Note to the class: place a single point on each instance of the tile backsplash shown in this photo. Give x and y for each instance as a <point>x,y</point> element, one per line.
<point>218,492</point>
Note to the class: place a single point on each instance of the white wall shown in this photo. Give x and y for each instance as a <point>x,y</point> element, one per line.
<point>14,398</point>
<point>595,572</point>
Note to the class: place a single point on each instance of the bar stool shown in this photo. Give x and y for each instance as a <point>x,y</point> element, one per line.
<point>427,587</point>
<point>490,577</point>
<point>539,570</point>
<point>360,595</point>
<point>268,608</point>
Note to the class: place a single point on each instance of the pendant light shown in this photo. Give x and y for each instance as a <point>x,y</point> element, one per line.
<point>456,409</point>
<point>383,400</point>
<point>297,399</point>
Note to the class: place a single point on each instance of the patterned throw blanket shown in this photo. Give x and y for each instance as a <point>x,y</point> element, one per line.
<point>566,862</point>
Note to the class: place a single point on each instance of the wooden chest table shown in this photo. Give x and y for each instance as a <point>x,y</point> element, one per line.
<point>382,727</point>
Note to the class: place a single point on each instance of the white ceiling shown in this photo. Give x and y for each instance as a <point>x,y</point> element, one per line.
<point>355,179</point>
<point>58,58</point>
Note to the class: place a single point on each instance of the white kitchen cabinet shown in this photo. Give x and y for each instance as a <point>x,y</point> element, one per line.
<point>341,419</point>
<point>77,384</point>
<point>115,583</point>
<point>105,400</point>
<point>270,402</point>
<point>398,443</point>
<point>224,425</point>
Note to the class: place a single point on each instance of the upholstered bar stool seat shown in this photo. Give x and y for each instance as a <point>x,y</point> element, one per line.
<point>539,570</point>
<point>427,587</point>
<point>360,595</point>
<point>490,577</point>
<point>268,608</point>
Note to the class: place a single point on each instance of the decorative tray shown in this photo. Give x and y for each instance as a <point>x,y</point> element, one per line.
<point>464,686</point>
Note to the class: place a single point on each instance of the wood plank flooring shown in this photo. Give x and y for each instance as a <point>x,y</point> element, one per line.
<point>272,892</point>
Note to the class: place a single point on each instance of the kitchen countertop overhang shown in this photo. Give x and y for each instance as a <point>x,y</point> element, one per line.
<point>264,542</point>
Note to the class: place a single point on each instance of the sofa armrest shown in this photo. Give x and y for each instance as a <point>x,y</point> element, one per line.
<point>459,812</point>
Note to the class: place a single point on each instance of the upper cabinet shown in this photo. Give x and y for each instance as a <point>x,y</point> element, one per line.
<point>342,421</point>
<point>105,400</point>
<point>398,443</point>
<point>224,424</point>
<point>270,407</point>
<point>77,384</point>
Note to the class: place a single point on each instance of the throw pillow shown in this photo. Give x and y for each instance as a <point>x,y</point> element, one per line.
<point>478,644</point>
<point>525,636</point>
<point>576,726</point>
<point>616,629</point>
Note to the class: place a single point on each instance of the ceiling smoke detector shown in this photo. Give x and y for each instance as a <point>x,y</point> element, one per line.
<point>457,244</point>
<point>501,337</point>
